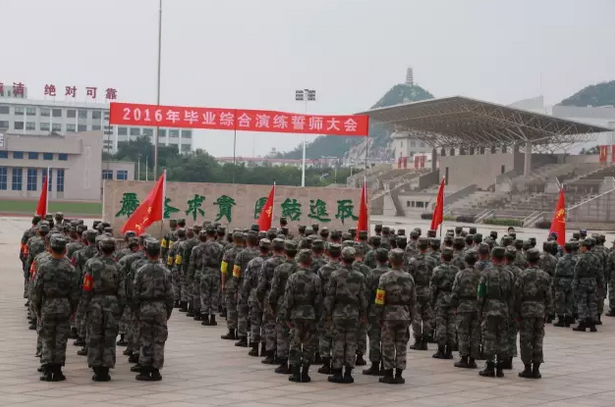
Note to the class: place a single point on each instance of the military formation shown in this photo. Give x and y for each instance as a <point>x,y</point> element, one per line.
<point>322,297</point>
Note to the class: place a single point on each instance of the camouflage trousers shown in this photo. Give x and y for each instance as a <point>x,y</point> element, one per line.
<point>362,338</point>
<point>54,330</point>
<point>134,342</point>
<point>153,334</point>
<point>256,320</point>
<point>282,339</point>
<point>177,284</point>
<point>325,338</point>
<point>611,287</point>
<point>532,333</point>
<point>269,331</point>
<point>374,333</point>
<point>563,301</point>
<point>423,314</point>
<point>344,343</point>
<point>39,341</point>
<point>81,320</point>
<point>513,330</point>
<point>495,337</point>
<point>242,315</point>
<point>445,326</point>
<point>468,333</point>
<point>395,337</point>
<point>195,291</point>
<point>209,291</point>
<point>130,327</point>
<point>231,307</point>
<point>103,329</point>
<point>184,286</point>
<point>303,341</point>
<point>600,304</point>
<point>587,303</point>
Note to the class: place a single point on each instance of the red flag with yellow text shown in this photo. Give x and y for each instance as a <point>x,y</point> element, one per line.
<point>558,224</point>
<point>151,209</point>
<point>266,216</point>
<point>363,211</point>
<point>438,209</point>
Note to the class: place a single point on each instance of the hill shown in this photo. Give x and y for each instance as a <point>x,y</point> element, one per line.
<point>602,94</point>
<point>335,146</point>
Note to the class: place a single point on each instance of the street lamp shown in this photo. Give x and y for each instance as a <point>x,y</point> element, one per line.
<point>305,95</point>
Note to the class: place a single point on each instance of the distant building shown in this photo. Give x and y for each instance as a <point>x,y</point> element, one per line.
<point>409,76</point>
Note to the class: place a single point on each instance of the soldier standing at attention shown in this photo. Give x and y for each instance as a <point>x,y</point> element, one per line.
<point>609,278</point>
<point>185,250</point>
<point>513,325</point>
<point>133,247</point>
<point>441,286</point>
<point>209,280</point>
<point>153,298</point>
<point>463,300</point>
<point>395,301</point>
<point>179,280</point>
<point>586,284</point>
<point>34,247</point>
<point>167,240</point>
<point>301,308</point>
<point>533,302</point>
<point>362,268</point>
<point>421,268</point>
<point>54,298</point>
<point>345,306</point>
<point>228,286</point>
<point>562,287</point>
<point>250,284</point>
<point>80,258</point>
<point>374,329</point>
<point>318,255</point>
<point>103,297</point>
<point>194,270</point>
<point>241,264</point>
<point>495,301</point>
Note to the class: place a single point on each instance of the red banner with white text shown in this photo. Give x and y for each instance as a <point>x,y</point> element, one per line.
<point>130,114</point>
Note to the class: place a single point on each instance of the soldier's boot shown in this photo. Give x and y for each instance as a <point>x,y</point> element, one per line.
<point>32,326</point>
<point>489,370</point>
<point>176,304</point>
<point>536,371</point>
<point>263,349</point>
<point>498,369</point>
<point>104,375</point>
<point>295,375</point>
<point>37,354</point>
<point>73,333</point>
<point>424,344</point>
<point>212,320</point>
<point>242,342</point>
<point>398,379</point>
<point>348,375</point>
<point>549,319</point>
<point>317,359</point>
<point>449,352</point>
<point>431,337</point>
<point>507,363</point>
<point>144,375</point>
<point>79,342</point>
<point>592,326</point>
<point>568,320</point>
<point>127,352</point>
<point>283,368</point>
<point>40,369</point>
<point>136,368</point>
<point>83,351</point>
<point>58,376</point>
<point>418,343</point>
<point>205,320</point>
<point>254,350</point>
<point>197,316</point>
<point>122,341</point>
<point>336,376</point>
<point>47,375</point>
<point>269,358</point>
<point>374,370</point>
<point>305,377</point>
<point>610,313</point>
<point>472,363</point>
<point>455,346</point>
<point>581,327</point>
<point>599,321</point>
<point>230,335</point>
<point>527,372</point>
<point>561,321</point>
<point>326,366</point>
<point>183,306</point>
<point>190,312</point>
<point>463,362</point>
<point>360,361</point>
<point>155,375</point>
<point>134,358</point>
<point>440,353</point>
<point>388,377</point>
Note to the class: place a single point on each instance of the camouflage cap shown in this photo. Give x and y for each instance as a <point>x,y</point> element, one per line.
<point>262,235</point>
<point>324,232</point>
<point>376,240</point>
<point>382,255</point>
<point>59,215</point>
<point>414,234</point>
<point>210,229</point>
<point>401,241</point>
<point>518,243</point>
<point>459,242</point>
<point>196,228</point>
<point>277,244</point>
<point>386,230</point>
<point>90,235</point>
<point>107,243</point>
<point>202,234</point>
<point>285,231</point>
<point>334,248</point>
<point>346,236</point>
<point>434,242</point>
<point>301,228</point>
<point>378,228</point>
<point>483,248</point>
<point>221,230</point>
<point>472,230</point>
<point>272,233</point>
<point>43,226</point>
<point>151,244</point>
<point>309,231</point>
<point>173,223</point>
<point>304,256</point>
<point>181,222</point>
<point>315,226</point>
<point>471,256</point>
<point>255,227</point>
<point>532,255</point>
<point>48,217</point>
<point>401,232</point>
<point>305,244</point>
<point>458,229</point>
<point>511,252</point>
<point>290,246</point>
<point>130,233</point>
<point>348,243</point>
<point>336,234</point>
<point>420,232</point>
<point>363,235</point>
<point>498,252</point>
<point>239,236</point>
<point>478,237</point>
<point>81,229</point>
<point>493,234</point>
<point>396,257</point>
<point>181,233</point>
<point>348,253</point>
<point>265,244</point>
<point>431,233</point>
<point>423,242</point>
<point>448,240</point>
<point>283,221</point>
<point>57,242</point>
<point>447,251</point>
<point>318,245</point>
<point>206,222</point>
<point>588,242</point>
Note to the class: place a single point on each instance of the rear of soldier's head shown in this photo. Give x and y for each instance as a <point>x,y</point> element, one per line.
<point>252,239</point>
<point>334,250</point>
<point>396,258</point>
<point>498,254</point>
<point>423,244</point>
<point>483,250</point>
<point>532,256</point>
<point>382,256</point>
<point>318,246</point>
<point>447,254</point>
<point>57,244</point>
<point>152,248</point>
<point>107,245</point>
<point>459,243</point>
<point>304,257</point>
<point>511,253</point>
<point>401,241</point>
<point>471,257</point>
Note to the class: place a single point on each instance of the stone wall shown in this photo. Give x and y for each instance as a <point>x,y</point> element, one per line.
<point>300,205</point>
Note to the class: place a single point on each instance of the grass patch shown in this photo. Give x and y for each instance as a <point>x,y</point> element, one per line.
<point>70,209</point>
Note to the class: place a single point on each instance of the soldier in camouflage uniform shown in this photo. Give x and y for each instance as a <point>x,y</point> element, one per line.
<point>587,284</point>
<point>209,278</point>
<point>441,286</point>
<point>79,260</point>
<point>228,285</point>
<point>34,247</point>
<point>248,290</point>
<point>168,239</point>
<point>513,326</point>
<point>345,307</point>
<point>262,292</point>
<point>103,297</point>
<point>54,298</point>
<point>602,254</point>
<point>276,299</point>
<point>153,299</point>
<point>520,261</point>
<point>241,264</point>
<point>434,245</point>
<point>301,309</point>
<point>421,268</point>
<point>126,250</point>
<point>548,262</point>
<point>459,254</point>
<point>562,287</point>
<point>179,279</point>
<point>394,305</point>
<point>361,267</point>
<point>334,251</point>
<point>374,329</point>
<point>495,301</point>
<point>194,271</point>
<point>463,301</point>
<point>192,239</point>
<point>132,245</point>
<point>23,250</point>
<point>318,255</point>
<point>370,256</point>
<point>609,278</point>
<point>533,302</point>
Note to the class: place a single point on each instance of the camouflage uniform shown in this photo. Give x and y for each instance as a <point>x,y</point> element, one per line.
<point>463,300</point>
<point>250,284</point>
<point>562,286</point>
<point>441,286</point>
<point>228,262</point>
<point>128,316</point>
<point>421,268</point>
<point>241,264</point>
<point>80,258</point>
<point>190,283</point>
<point>586,283</point>
<point>195,266</point>
<point>362,268</point>
<point>610,279</point>
<point>513,326</point>
<point>209,279</point>
<point>602,254</point>
<point>374,329</point>
<point>324,326</point>
<point>174,262</point>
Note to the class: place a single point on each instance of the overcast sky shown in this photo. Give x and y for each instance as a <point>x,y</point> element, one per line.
<point>256,53</point>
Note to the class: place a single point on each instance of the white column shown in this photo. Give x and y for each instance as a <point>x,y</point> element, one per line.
<point>527,164</point>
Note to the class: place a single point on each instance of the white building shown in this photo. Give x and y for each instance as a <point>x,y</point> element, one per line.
<point>42,117</point>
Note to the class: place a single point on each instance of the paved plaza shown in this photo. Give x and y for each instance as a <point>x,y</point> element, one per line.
<point>203,370</point>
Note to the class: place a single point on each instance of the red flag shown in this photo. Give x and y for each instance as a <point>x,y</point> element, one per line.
<point>151,209</point>
<point>363,211</point>
<point>266,216</point>
<point>438,209</point>
<point>41,208</point>
<point>558,224</point>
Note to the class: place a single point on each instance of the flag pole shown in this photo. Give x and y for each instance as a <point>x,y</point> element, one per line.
<point>164,196</point>
<point>47,193</point>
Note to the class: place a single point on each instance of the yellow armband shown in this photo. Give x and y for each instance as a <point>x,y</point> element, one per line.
<point>169,260</point>
<point>163,243</point>
<point>236,271</point>
<point>178,259</point>
<point>223,267</point>
<point>379,297</point>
